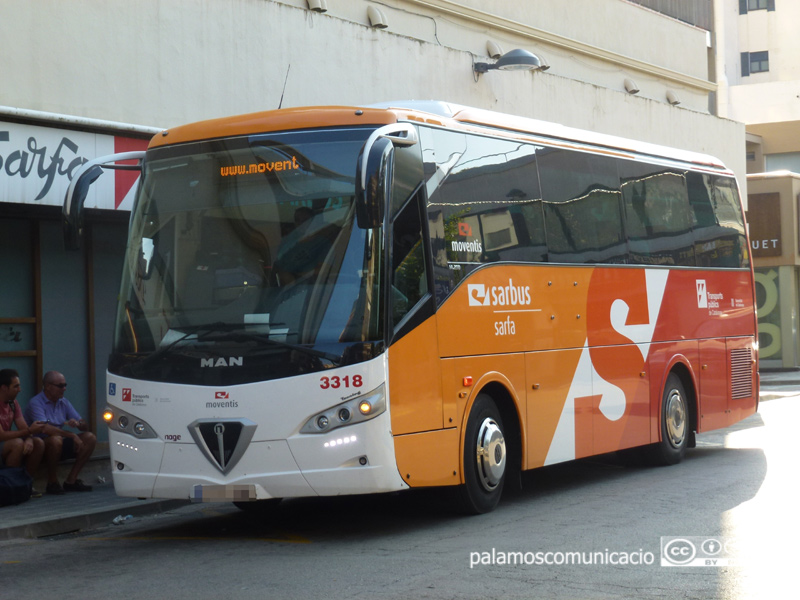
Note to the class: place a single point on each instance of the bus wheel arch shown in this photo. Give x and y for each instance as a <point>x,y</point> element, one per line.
<point>491,449</point>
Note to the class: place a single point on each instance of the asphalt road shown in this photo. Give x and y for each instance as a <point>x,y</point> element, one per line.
<point>736,490</point>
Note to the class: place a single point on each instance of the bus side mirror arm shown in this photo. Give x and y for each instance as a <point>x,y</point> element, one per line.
<point>78,189</point>
<point>373,171</point>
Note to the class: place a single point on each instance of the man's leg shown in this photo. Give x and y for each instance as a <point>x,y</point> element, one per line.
<point>35,457</point>
<point>52,454</point>
<point>12,452</point>
<point>89,442</point>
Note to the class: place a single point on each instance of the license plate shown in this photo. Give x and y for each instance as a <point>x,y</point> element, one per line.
<point>224,493</point>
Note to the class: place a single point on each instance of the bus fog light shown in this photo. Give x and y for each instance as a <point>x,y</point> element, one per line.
<point>362,460</point>
<point>120,466</point>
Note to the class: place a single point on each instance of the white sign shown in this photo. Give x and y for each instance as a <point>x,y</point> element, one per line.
<point>37,164</point>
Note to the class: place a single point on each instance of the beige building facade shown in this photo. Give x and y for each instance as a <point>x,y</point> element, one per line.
<point>759,85</point>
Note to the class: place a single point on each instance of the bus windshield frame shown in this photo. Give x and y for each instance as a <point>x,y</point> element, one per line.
<point>245,262</point>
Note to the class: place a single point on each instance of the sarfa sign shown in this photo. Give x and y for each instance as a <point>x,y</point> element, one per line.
<point>37,164</point>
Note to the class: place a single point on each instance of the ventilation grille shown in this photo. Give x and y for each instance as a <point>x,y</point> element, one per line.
<point>741,373</point>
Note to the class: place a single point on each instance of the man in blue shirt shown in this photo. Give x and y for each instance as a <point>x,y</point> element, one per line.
<point>50,406</point>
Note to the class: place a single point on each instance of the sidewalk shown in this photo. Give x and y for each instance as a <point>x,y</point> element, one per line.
<point>73,511</point>
<point>779,384</point>
<point>53,515</point>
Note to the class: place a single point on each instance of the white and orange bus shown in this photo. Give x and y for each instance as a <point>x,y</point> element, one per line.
<point>335,300</point>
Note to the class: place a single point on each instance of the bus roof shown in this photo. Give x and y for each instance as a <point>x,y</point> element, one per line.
<point>444,114</point>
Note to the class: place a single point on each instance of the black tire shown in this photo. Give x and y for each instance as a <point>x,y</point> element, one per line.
<point>485,459</point>
<point>675,424</point>
<point>259,507</point>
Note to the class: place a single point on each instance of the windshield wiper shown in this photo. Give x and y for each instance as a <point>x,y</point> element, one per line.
<point>192,329</point>
<point>235,331</point>
<point>264,338</point>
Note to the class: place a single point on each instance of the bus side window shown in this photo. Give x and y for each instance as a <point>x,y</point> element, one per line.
<point>658,219</point>
<point>409,276</point>
<point>728,213</point>
<point>718,223</point>
<point>484,204</point>
<point>582,207</point>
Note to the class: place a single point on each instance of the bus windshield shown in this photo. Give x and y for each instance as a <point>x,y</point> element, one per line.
<point>245,263</point>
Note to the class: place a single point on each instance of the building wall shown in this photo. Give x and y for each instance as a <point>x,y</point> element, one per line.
<point>775,240</point>
<point>766,102</point>
<point>164,63</point>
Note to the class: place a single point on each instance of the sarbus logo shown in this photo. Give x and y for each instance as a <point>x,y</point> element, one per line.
<point>499,295</point>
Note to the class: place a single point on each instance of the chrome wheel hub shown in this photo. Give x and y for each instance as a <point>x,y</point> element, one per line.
<point>676,418</point>
<point>491,454</point>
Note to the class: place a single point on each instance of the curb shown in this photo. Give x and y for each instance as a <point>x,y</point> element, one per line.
<point>75,522</point>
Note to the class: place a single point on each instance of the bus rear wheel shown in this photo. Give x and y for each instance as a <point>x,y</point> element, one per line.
<point>485,458</point>
<point>675,424</point>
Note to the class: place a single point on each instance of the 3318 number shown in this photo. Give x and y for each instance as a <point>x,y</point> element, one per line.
<point>337,382</point>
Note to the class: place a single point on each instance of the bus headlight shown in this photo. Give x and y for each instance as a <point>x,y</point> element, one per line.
<point>357,410</point>
<point>119,420</point>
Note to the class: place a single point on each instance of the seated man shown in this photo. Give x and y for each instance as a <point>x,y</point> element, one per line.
<point>20,445</point>
<point>51,407</point>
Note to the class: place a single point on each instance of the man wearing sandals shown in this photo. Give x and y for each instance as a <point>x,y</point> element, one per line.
<point>50,406</point>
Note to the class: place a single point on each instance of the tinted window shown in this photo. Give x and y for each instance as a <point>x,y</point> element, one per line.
<point>583,216</point>
<point>483,203</point>
<point>658,220</point>
<point>719,235</point>
<point>409,278</point>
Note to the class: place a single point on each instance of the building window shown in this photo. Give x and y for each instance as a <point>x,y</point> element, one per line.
<point>747,5</point>
<point>759,62</point>
<point>755,62</point>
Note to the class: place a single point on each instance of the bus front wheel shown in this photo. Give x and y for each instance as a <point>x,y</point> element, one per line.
<point>485,458</point>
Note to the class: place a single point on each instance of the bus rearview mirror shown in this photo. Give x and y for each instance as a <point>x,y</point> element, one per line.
<point>372,181</point>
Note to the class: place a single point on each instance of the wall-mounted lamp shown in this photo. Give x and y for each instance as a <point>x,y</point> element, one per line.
<point>319,6</point>
<point>672,98</point>
<point>376,18</point>
<point>494,50</point>
<point>544,66</point>
<point>515,60</point>
<point>631,87</point>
